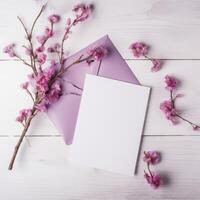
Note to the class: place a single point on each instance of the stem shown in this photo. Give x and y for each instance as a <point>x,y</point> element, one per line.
<point>36,19</point>
<point>148,167</point>
<point>186,120</point>
<point>23,60</point>
<point>179,116</point>
<point>26,126</point>
<point>31,46</point>
<point>99,67</point>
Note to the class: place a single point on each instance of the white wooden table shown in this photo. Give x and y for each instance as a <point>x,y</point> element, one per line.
<point>172,28</point>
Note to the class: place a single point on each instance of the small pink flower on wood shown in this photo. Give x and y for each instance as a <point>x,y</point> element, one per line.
<point>168,109</point>
<point>139,49</point>
<point>153,179</point>
<point>171,82</point>
<point>151,157</point>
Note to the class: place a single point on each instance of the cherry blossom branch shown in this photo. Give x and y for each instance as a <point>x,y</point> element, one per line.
<point>26,126</point>
<point>140,49</point>
<point>152,178</point>
<point>47,83</point>
<point>168,106</point>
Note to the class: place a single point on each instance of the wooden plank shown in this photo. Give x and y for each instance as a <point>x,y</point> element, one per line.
<point>14,98</point>
<point>43,172</point>
<point>172,28</point>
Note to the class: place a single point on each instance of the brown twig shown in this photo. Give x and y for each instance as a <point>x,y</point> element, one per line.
<point>26,126</point>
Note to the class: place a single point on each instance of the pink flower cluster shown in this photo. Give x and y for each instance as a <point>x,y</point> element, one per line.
<point>152,178</point>
<point>24,114</point>
<point>168,106</point>
<point>171,83</point>
<point>151,157</point>
<point>169,110</point>
<point>140,49</point>
<point>48,93</point>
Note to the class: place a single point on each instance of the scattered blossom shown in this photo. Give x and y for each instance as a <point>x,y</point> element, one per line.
<point>139,49</point>
<point>151,157</point>
<point>168,106</point>
<point>171,82</point>
<point>169,110</point>
<point>153,179</point>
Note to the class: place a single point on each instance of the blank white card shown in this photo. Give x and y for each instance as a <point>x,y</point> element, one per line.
<point>109,125</point>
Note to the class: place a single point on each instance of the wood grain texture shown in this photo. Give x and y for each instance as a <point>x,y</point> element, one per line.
<point>43,172</point>
<point>171,27</point>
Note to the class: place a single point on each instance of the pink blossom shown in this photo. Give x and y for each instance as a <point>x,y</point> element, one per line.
<point>50,97</point>
<point>54,18</point>
<point>9,49</point>
<point>54,94</point>
<point>98,52</point>
<point>82,12</point>
<point>169,110</point>
<point>156,65</point>
<point>41,39</point>
<point>139,49</point>
<point>48,32</point>
<point>171,83</point>
<point>151,157</point>
<point>40,49</point>
<point>153,179</point>
<point>41,58</point>
<point>24,85</point>
<point>41,83</point>
<point>23,115</point>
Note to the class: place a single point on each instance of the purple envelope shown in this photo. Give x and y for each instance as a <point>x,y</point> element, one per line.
<point>64,113</point>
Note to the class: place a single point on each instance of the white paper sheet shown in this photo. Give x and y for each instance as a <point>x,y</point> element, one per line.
<point>109,125</point>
